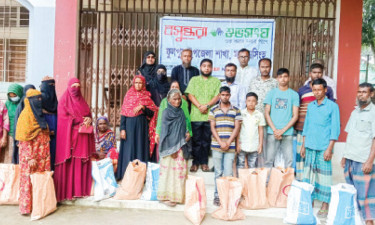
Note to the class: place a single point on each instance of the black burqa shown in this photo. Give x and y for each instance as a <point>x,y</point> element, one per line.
<point>49,98</point>
<point>147,70</point>
<point>36,107</point>
<point>159,85</point>
<point>49,104</point>
<point>21,105</point>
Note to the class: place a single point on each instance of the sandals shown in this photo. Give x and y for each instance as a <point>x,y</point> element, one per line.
<point>169,203</point>
<point>194,168</point>
<point>205,168</point>
<point>322,213</point>
<point>217,201</point>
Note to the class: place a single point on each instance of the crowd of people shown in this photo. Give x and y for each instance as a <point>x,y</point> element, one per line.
<point>248,120</point>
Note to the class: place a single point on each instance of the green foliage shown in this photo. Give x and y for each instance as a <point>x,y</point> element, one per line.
<point>368,25</point>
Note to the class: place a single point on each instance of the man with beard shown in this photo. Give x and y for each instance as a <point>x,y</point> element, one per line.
<point>359,154</point>
<point>203,92</point>
<point>245,72</point>
<point>320,132</point>
<point>184,72</point>
<point>225,122</point>
<point>238,91</point>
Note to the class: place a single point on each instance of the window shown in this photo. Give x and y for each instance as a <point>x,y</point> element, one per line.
<point>13,60</point>
<point>14,16</point>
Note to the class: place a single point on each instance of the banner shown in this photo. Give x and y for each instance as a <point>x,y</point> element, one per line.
<point>218,39</point>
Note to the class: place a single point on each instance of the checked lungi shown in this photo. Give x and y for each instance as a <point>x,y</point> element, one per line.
<point>299,160</point>
<point>365,185</point>
<point>318,173</point>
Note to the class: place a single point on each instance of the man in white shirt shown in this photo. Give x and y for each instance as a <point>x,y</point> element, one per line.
<point>245,73</point>
<point>237,90</point>
<point>330,82</point>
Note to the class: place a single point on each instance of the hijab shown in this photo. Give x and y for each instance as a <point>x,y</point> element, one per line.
<point>73,101</point>
<point>72,108</point>
<point>134,98</point>
<point>160,83</point>
<point>31,121</point>
<point>19,109</point>
<point>12,106</point>
<point>49,98</point>
<point>21,105</point>
<point>173,129</point>
<point>148,71</point>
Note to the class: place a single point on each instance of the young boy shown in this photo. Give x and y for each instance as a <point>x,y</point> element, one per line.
<point>320,132</point>
<point>225,122</point>
<point>281,112</point>
<point>250,140</point>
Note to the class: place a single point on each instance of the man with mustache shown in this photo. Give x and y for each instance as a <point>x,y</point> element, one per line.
<point>359,154</point>
<point>237,90</point>
<point>203,92</point>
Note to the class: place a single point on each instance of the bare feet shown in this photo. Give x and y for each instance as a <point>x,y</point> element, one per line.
<point>323,212</point>
<point>169,203</point>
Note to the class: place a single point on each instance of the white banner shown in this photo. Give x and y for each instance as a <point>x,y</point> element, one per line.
<point>218,39</point>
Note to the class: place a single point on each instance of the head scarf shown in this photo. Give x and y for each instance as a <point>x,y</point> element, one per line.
<point>21,105</point>
<point>148,71</point>
<point>49,98</point>
<point>22,102</point>
<point>19,109</point>
<point>74,102</point>
<point>106,141</point>
<point>31,121</point>
<point>12,106</point>
<point>72,108</point>
<point>134,98</point>
<point>97,126</point>
<point>173,128</point>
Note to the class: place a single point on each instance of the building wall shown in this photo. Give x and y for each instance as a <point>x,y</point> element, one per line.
<point>66,43</point>
<point>40,41</point>
<point>348,60</point>
<point>40,52</point>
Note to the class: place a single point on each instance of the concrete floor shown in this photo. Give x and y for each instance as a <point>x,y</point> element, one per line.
<point>72,214</point>
<point>83,215</point>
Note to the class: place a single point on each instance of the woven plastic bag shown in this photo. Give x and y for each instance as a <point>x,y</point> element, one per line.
<point>9,184</point>
<point>278,186</point>
<point>105,182</point>
<point>229,190</point>
<point>44,195</point>
<point>133,181</point>
<point>254,188</point>
<point>196,201</point>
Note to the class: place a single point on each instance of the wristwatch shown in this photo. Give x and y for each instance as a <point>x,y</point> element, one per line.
<point>208,106</point>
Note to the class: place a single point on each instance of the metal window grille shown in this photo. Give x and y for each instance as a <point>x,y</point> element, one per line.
<point>115,33</point>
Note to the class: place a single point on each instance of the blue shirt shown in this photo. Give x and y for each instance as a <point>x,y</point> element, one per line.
<point>322,124</point>
<point>281,103</point>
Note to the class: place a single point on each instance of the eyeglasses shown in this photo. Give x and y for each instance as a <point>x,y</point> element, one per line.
<point>243,57</point>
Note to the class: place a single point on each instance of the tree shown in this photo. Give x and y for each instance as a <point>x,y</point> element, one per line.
<point>368,24</point>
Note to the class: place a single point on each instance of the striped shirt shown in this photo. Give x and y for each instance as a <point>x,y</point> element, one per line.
<point>306,96</point>
<point>224,125</point>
